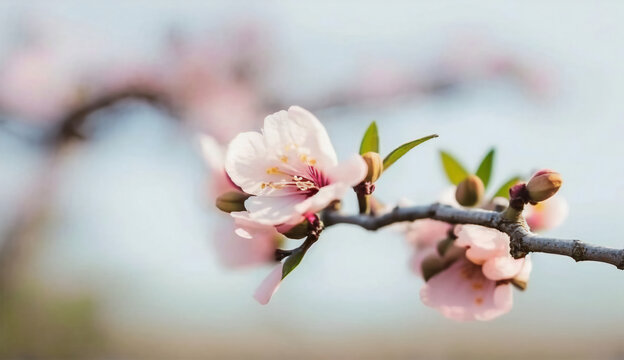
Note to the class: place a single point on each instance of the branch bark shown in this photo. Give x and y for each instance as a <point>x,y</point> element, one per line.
<point>70,124</point>
<point>522,240</point>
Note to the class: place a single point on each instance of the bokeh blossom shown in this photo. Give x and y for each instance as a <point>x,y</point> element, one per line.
<point>547,214</point>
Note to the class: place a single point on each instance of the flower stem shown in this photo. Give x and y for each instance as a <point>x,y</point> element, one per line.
<point>364,203</point>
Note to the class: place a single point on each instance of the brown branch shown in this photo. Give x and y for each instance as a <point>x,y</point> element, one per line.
<point>69,126</point>
<point>522,240</point>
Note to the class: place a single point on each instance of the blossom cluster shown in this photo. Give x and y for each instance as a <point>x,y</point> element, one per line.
<point>276,183</point>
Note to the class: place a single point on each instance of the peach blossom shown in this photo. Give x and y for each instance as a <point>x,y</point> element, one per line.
<point>475,281</point>
<point>290,168</point>
<point>547,214</point>
<point>463,293</point>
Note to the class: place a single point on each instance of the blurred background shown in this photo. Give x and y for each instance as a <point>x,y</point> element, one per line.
<point>107,227</point>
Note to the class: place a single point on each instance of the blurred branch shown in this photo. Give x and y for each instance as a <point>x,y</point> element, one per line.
<point>69,129</point>
<point>70,124</point>
<point>522,240</point>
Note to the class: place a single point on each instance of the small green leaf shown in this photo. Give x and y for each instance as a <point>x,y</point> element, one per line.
<point>292,261</point>
<point>503,191</point>
<point>485,168</point>
<point>455,172</point>
<point>397,153</point>
<point>370,141</point>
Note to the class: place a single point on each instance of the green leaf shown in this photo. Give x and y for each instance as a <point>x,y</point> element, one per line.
<point>485,168</point>
<point>397,153</point>
<point>455,172</point>
<point>503,191</point>
<point>370,141</point>
<point>292,261</point>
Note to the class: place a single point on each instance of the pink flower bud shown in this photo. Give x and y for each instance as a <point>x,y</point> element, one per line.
<point>543,185</point>
<point>375,166</point>
<point>470,191</point>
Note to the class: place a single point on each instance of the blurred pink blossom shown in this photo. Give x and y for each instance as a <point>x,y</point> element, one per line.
<point>215,83</point>
<point>547,214</point>
<point>52,71</point>
<point>129,75</point>
<point>475,57</point>
<point>463,293</point>
<point>214,156</point>
<point>427,232</point>
<point>246,243</point>
<point>269,285</point>
<point>35,85</point>
<point>473,282</point>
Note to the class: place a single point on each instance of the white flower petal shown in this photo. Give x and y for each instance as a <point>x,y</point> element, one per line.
<point>247,161</point>
<point>350,172</point>
<point>322,198</point>
<point>297,132</point>
<point>272,210</point>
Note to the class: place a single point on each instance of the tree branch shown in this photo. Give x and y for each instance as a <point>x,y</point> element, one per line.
<point>70,124</point>
<point>522,240</point>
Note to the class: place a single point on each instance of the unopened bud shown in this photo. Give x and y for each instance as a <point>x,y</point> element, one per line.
<point>519,284</point>
<point>543,185</point>
<point>431,266</point>
<point>444,245</point>
<point>470,191</point>
<point>232,201</point>
<point>298,231</point>
<point>375,166</point>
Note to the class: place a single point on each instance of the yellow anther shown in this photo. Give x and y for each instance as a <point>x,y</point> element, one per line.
<point>284,159</point>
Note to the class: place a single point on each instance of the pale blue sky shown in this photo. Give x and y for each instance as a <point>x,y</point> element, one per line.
<point>130,216</point>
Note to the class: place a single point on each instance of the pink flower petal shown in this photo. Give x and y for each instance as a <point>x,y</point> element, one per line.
<point>245,243</point>
<point>322,198</point>
<point>462,293</point>
<point>502,267</point>
<point>525,272</point>
<point>548,214</point>
<point>350,172</point>
<point>427,232</point>
<point>269,285</point>
<point>417,258</point>
<point>482,243</point>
